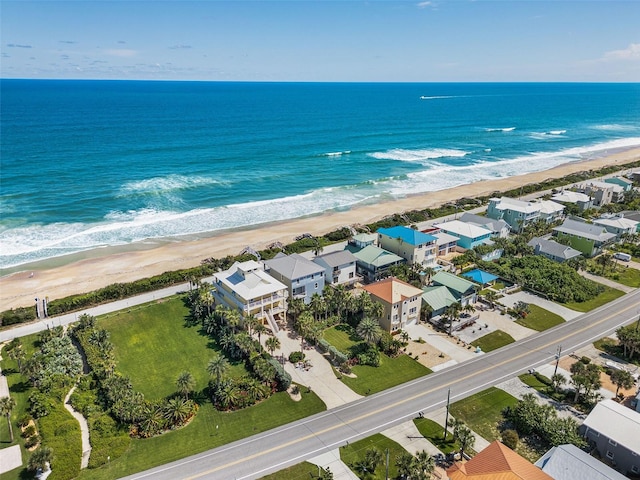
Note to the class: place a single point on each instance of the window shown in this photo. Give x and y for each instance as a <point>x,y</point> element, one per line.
<point>634,469</point>
<point>350,274</point>
<point>316,285</point>
<point>412,310</point>
<point>613,443</point>
<point>610,455</point>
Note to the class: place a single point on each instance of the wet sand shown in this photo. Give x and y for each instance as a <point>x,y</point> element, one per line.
<point>107,266</point>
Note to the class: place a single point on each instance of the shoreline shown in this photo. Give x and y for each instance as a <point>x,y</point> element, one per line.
<point>86,271</point>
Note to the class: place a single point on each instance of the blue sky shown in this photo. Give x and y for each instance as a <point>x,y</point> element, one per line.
<point>297,40</point>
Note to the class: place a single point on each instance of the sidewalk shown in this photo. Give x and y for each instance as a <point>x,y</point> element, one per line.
<point>332,461</point>
<point>522,296</point>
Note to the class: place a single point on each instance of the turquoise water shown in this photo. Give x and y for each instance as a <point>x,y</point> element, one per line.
<point>88,164</point>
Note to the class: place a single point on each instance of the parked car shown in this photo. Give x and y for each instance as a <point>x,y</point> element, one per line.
<point>625,257</point>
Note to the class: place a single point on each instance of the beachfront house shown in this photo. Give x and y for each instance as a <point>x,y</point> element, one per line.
<point>499,228</point>
<point>568,462</point>
<point>401,303</point>
<point>415,247</point>
<point>569,197</point>
<point>339,268</point>
<point>627,185</point>
<point>585,237</point>
<point>373,263</point>
<point>553,250</point>
<point>550,211</point>
<point>362,240</point>
<point>614,431</point>
<point>246,287</point>
<point>517,213</point>
<point>302,277</point>
<point>618,225</point>
<point>446,243</point>
<point>469,235</point>
<point>602,193</point>
<point>497,462</point>
<point>462,290</point>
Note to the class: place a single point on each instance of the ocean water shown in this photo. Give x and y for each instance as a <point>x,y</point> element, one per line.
<point>90,164</point>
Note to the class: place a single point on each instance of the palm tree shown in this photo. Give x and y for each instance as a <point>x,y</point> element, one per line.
<point>40,460</point>
<point>296,307</point>
<point>185,383</point>
<point>405,463</point>
<point>558,379</point>
<point>491,296</point>
<point>452,312</point>
<point>318,305</point>
<point>232,317</point>
<point>377,310</point>
<point>622,379</point>
<point>463,435</point>
<point>17,353</point>
<point>369,330</point>
<point>206,297</point>
<point>177,410</point>
<point>425,464</point>
<point>364,303</point>
<point>153,421</point>
<point>260,329</point>
<point>605,260</point>
<point>250,322</point>
<point>218,367</point>
<point>272,344</point>
<point>7,404</point>
<point>229,396</point>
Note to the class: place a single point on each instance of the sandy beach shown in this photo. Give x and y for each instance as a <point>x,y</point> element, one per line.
<point>19,289</point>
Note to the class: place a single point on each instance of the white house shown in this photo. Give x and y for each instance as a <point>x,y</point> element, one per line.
<point>339,268</point>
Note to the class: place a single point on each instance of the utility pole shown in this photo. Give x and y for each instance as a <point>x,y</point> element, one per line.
<point>446,417</point>
<point>555,370</point>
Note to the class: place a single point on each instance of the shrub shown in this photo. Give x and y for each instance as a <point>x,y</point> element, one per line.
<point>29,431</point>
<point>295,357</point>
<point>282,377</point>
<point>585,360</point>
<point>24,420</point>
<point>32,441</point>
<point>510,438</point>
<point>323,345</point>
<point>345,368</point>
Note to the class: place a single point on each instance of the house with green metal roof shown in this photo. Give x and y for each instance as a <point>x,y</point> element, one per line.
<point>414,246</point>
<point>463,290</point>
<point>373,263</point>
<point>438,298</point>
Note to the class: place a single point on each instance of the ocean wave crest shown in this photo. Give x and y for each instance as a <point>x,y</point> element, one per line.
<point>169,183</point>
<point>419,155</point>
<point>337,154</point>
<point>506,129</point>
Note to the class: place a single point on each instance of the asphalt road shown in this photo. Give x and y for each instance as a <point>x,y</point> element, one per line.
<point>264,453</point>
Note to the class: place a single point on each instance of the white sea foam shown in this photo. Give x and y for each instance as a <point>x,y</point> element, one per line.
<point>436,97</point>
<point>170,183</point>
<point>337,154</point>
<point>557,132</point>
<point>616,127</point>
<point>506,129</point>
<point>420,155</point>
<point>24,244</point>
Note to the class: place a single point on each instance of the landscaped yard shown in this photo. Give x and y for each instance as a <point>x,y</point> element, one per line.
<point>607,296</point>
<point>540,319</point>
<point>482,412</point>
<point>613,347</point>
<point>209,429</point>
<point>620,273</point>
<point>434,433</point>
<point>354,452</point>
<point>493,341</point>
<point>391,372</point>
<point>343,337</point>
<point>153,346</point>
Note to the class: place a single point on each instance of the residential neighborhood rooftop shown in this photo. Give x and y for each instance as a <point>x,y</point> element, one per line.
<point>568,462</point>
<point>569,196</point>
<point>617,222</point>
<point>377,256</point>
<point>464,229</point>
<point>443,238</point>
<point>438,297</point>
<point>293,266</point>
<point>497,462</point>
<point>617,422</point>
<point>335,259</point>
<point>486,222</point>
<point>249,280</point>
<point>584,230</point>
<point>552,248</point>
<point>393,290</point>
<point>408,235</point>
<point>504,203</point>
<point>453,282</point>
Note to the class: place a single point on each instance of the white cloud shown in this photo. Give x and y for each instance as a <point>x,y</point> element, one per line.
<point>425,4</point>
<point>121,52</point>
<point>632,52</point>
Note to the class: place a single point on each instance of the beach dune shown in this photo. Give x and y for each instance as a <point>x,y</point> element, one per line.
<point>19,289</point>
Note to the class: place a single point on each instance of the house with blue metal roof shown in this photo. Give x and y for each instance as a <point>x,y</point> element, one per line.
<point>414,246</point>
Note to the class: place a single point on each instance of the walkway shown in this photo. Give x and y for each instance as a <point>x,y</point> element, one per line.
<point>332,461</point>
<point>10,457</point>
<point>84,429</point>
<point>320,376</point>
<point>606,281</point>
<point>566,313</point>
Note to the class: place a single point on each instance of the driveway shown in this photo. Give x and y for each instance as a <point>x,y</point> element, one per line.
<point>440,341</point>
<point>606,281</point>
<point>564,312</point>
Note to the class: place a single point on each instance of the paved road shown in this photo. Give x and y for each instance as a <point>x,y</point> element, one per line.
<point>276,449</point>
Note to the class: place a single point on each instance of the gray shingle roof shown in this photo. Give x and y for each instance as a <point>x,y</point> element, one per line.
<point>555,249</point>
<point>293,266</point>
<point>335,259</point>
<point>585,230</point>
<point>568,462</point>
<point>494,225</point>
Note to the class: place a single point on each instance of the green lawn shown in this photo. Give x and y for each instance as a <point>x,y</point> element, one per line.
<point>482,412</point>
<point>353,452</point>
<point>434,433</point>
<point>540,319</point>
<point>153,346</point>
<point>304,470</point>
<point>620,273</point>
<point>607,296</point>
<point>493,341</point>
<point>391,372</point>
<point>209,429</point>
<point>613,347</point>
<point>343,337</point>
